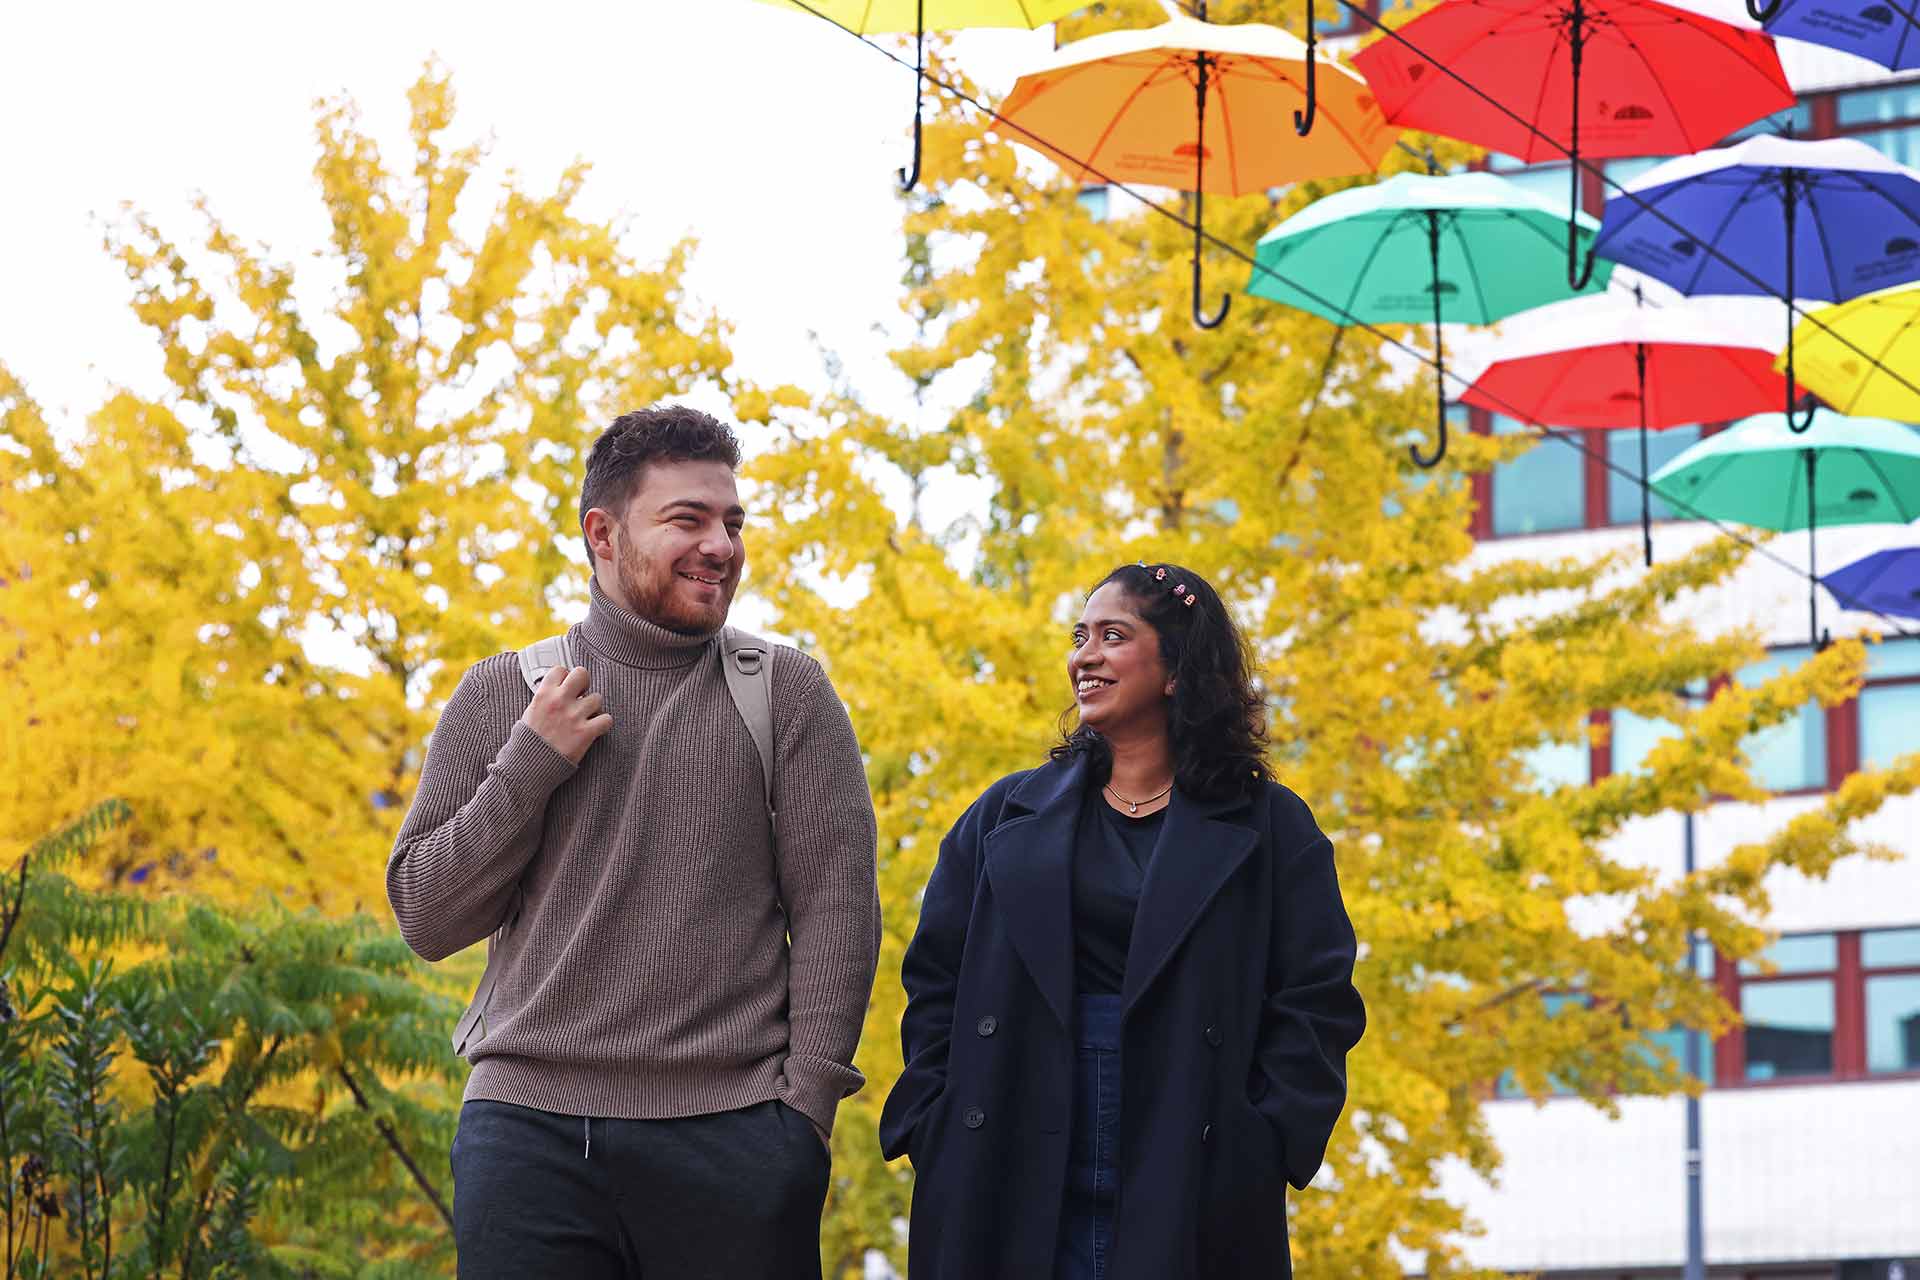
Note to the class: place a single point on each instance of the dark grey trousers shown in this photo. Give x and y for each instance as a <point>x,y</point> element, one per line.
<point>731,1196</point>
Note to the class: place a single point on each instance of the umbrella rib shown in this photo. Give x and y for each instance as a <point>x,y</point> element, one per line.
<point>1133,95</point>
<point>1226,127</point>
<point>1473,268</point>
<point>1679,117</point>
<point>1733,208</point>
<point>1912,215</point>
<point>1885,353</point>
<point>1379,243</point>
<point>1826,249</point>
<point>1546,75</point>
<point>1886,482</point>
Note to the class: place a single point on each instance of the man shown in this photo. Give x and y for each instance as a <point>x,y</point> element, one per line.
<point>675,991</point>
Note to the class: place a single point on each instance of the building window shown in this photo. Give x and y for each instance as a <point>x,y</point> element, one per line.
<point>1889,712</point>
<point>1890,963</point>
<point>1797,119</point>
<point>1560,764</point>
<point>1541,491</point>
<point>1792,755</point>
<point>1787,1005</point>
<point>1866,114</point>
<point>1623,482</point>
<point>1094,201</point>
<point>1549,181</point>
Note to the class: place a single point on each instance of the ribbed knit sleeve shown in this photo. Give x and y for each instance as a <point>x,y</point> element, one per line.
<point>476,817</point>
<point>825,848</point>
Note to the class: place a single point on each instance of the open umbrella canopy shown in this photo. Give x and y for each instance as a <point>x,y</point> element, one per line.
<point>1122,106</point>
<point>869,17</point>
<point>1850,214</point>
<point>1365,254</point>
<point>1882,31</point>
<point>1763,472</point>
<point>1885,582</point>
<point>1863,356</point>
<point>1658,80</point>
<point>1755,473</point>
<point>1604,362</point>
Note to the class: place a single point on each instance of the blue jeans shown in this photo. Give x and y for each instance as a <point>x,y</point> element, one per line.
<point>1093,1159</point>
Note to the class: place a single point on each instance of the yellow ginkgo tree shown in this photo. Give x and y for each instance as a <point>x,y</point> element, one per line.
<point>236,605</point>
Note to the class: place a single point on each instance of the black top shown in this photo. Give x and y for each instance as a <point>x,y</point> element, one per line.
<point>1110,856</point>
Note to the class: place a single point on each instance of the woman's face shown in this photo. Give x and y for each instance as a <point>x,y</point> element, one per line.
<point>1119,679</point>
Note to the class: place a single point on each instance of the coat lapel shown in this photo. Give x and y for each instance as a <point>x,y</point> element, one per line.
<point>1196,854</point>
<point>1029,861</point>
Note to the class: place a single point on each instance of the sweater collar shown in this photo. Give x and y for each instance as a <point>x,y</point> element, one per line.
<point>633,641</point>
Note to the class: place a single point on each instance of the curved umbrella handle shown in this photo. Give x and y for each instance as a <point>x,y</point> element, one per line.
<point>1761,10</point>
<point>1303,123</point>
<point>1440,451</point>
<point>909,178</point>
<point>1201,63</point>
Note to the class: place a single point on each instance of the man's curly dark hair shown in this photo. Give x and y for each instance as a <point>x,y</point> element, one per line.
<point>660,433</point>
<point>1217,721</point>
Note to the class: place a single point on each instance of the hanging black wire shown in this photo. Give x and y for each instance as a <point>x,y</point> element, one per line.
<point>1571,440</point>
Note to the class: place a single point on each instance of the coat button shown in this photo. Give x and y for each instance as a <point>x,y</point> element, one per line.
<point>974,1118</point>
<point>1206,1131</point>
<point>1214,1037</point>
<point>987,1025</point>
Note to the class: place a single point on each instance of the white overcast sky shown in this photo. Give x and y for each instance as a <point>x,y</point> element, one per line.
<point>771,136</point>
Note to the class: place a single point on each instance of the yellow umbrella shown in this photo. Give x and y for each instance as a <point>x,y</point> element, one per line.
<point>1885,326</point>
<point>870,17</point>
<point>1157,105</point>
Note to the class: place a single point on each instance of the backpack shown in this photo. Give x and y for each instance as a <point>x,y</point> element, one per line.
<point>743,659</point>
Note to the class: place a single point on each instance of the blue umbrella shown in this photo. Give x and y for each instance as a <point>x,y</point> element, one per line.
<point>1831,219</point>
<point>1882,31</point>
<point>1885,582</point>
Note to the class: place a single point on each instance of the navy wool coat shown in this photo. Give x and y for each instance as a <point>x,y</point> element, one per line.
<point>1239,1010</point>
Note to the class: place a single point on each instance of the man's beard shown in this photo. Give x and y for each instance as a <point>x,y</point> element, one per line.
<point>649,590</point>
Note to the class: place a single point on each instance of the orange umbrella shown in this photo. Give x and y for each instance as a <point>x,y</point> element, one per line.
<point>1197,106</point>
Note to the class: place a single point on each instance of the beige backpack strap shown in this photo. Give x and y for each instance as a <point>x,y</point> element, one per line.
<point>747,661</point>
<point>535,661</point>
<point>542,656</point>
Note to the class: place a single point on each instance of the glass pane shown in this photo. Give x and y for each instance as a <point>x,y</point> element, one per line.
<point>1634,736</point>
<point>1896,102</point>
<point>1891,658</point>
<point>1890,948</point>
<point>1560,764</point>
<point>1094,201</point>
<point>1796,953</point>
<point>1673,1042</point>
<point>1893,1024</point>
<point>1889,724</point>
<point>1902,145</point>
<point>1792,755</point>
<point>1789,1028</point>
<point>1548,181</point>
<point>1703,959</point>
<point>1625,171</point>
<point>1623,451</point>
<point>1541,491</point>
<point>1800,117</point>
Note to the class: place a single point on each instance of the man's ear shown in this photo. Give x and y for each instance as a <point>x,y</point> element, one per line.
<point>600,528</point>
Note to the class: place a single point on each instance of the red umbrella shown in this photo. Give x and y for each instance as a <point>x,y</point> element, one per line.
<point>1597,362</point>
<point>1658,80</point>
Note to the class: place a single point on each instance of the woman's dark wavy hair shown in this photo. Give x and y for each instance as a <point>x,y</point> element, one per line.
<point>1217,721</point>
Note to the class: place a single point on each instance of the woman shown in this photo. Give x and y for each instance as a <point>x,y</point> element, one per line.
<point>1129,997</point>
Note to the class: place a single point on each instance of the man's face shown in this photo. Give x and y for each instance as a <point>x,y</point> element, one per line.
<point>676,556</point>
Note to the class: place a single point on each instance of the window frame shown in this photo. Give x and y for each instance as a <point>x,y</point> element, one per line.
<point>1849,975</point>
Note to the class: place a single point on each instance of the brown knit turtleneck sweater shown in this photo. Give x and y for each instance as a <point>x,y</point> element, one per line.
<point>667,958</point>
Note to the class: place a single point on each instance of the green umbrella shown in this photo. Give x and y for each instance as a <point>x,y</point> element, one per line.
<point>1471,248</point>
<point>1759,472</point>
